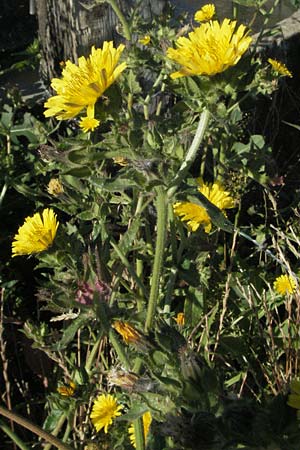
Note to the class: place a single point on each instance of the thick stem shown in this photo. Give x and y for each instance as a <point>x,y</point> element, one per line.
<point>191,153</point>
<point>25,423</point>
<point>162,217</point>
<point>139,434</point>
<point>121,18</point>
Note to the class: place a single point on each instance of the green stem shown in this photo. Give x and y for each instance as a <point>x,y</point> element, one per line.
<point>162,217</point>
<point>119,349</point>
<point>149,96</point>
<point>56,430</point>
<point>92,355</point>
<point>121,18</point>
<point>139,434</point>
<point>191,153</point>
<point>12,435</point>
<point>129,267</point>
<point>25,423</point>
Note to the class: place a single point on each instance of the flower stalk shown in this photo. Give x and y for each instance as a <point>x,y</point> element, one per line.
<point>121,18</point>
<point>191,153</point>
<point>162,217</point>
<point>139,434</point>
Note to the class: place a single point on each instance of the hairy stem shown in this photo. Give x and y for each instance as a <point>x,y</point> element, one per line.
<point>162,217</point>
<point>121,18</point>
<point>191,153</point>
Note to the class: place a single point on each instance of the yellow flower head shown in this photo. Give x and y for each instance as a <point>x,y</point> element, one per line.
<point>145,40</point>
<point>55,187</point>
<point>105,409</point>
<point>210,49</point>
<point>280,68</point>
<point>196,215</point>
<point>205,13</point>
<point>88,124</point>
<point>81,85</point>
<point>284,284</point>
<point>128,333</point>
<point>120,160</point>
<point>147,419</point>
<point>67,390</point>
<point>36,234</point>
<point>180,319</point>
<point>294,397</point>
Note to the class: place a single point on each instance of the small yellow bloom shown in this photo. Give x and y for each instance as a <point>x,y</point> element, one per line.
<point>82,85</point>
<point>294,397</point>
<point>128,333</point>
<point>205,13</point>
<point>88,124</point>
<point>36,234</point>
<point>180,319</point>
<point>145,40</point>
<point>120,160</point>
<point>67,390</point>
<point>196,215</point>
<point>285,284</point>
<point>147,419</point>
<point>55,187</point>
<point>105,409</point>
<point>280,68</point>
<point>210,49</point>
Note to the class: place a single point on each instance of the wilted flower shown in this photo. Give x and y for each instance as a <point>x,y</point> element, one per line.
<point>55,187</point>
<point>280,68</point>
<point>36,234</point>
<point>284,284</point>
<point>132,336</point>
<point>205,13</point>
<point>128,332</point>
<point>196,215</point>
<point>122,378</point>
<point>85,291</point>
<point>145,40</point>
<point>210,49</point>
<point>67,390</point>
<point>147,419</point>
<point>82,85</point>
<point>105,409</point>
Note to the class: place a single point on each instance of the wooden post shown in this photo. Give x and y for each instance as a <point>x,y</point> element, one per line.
<point>69,28</point>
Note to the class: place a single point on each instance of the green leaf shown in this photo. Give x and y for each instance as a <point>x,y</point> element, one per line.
<point>70,332</point>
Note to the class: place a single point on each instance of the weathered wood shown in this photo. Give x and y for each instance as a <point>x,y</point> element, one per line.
<point>68,28</point>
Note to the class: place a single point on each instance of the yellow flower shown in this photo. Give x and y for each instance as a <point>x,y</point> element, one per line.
<point>81,85</point>
<point>36,234</point>
<point>55,187</point>
<point>179,319</point>
<point>105,409</point>
<point>88,124</point>
<point>147,419</point>
<point>205,13</point>
<point>68,390</point>
<point>284,284</point>
<point>294,397</point>
<point>280,68</point>
<point>128,333</point>
<point>120,160</point>
<point>196,215</point>
<point>210,49</point>
<point>145,40</point>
